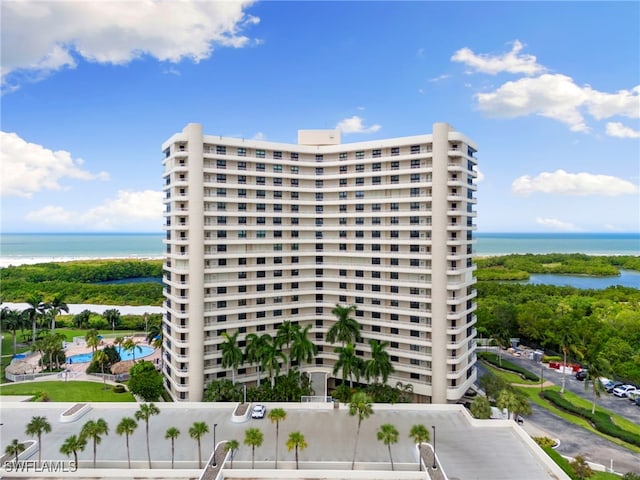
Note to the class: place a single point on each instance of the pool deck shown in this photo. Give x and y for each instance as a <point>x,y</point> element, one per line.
<point>80,349</point>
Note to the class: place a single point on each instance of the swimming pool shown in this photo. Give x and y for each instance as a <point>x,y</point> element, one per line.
<point>140,352</point>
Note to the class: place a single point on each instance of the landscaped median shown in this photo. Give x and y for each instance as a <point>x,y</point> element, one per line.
<point>498,362</point>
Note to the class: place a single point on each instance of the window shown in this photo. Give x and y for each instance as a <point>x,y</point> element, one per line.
<point>222,234</point>
<point>343,182</point>
<point>319,183</point>
<point>221,192</point>
<point>277,182</point>
<point>242,220</point>
<point>415,205</point>
<point>319,196</point>
<point>294,208</point>
<point>319,157</point>
<point>342,195</point>
<point>277,208</point>
<point>395,233</point>
<point>319,171</point>
<point>294,156</point>
<point>415,177</point>
<point>415,192</point>
<point>260,193</point>
<point>319,222</point>
<point>260,181</point>
<point>415,162</point>
<point>260,154</point>
<point>394,220</point>
<point>376,153</point>
<point>260,207</point>
<point>221,150</point>
<point>395,178</point>
<point>222,262</point>
<point>395,151</point>
<point>222,220</point>
<point>294,169</point>
<point>360,181</point>
<point>359,194</point>
<point>277,168</point>
<point>221,163</point>
<point>260,234</point>
<point>242,179</point>
<point>319,208</point>
<point>260,220</point>
<point>360,166</point>
<point>375,261</point>
<point>221,206</point>
<point>242,152</point>
<point>343,155</point>
<point>376,180</point>
<point>343,169</point>
<point>242,192</point>
<point>375,221</point>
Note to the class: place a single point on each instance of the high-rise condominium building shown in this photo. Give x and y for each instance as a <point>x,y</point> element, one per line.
<point>259,232</point>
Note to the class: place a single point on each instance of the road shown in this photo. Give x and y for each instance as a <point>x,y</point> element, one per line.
<point>575,440</point>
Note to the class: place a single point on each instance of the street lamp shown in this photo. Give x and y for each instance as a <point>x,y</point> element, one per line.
<point>214,443</point>
<point>541,376</point>
<point>435,465</point>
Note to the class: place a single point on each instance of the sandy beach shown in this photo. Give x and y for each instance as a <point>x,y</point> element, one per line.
<point>17,261</point>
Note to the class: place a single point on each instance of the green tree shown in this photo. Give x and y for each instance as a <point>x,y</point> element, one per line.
<point>126,427</point>
<point>419,434</point>
<point>94,430</point>
<point>33,312</point>
<point>196,431</point>
<point>145,381</point>
<point>303,350</point>
<point>253,437</point>
<point>346,329</point>
<point>231,446</point>
<point>145,412</point>
<point>581,468</point>
<point>231,353</point>
<point>73,445</point>
<point>565,335</point>
<point>285,336</point>
<point>361,407</point>
<point>171,434</point>
<point>112,317</point>
<point>92,339</point>
<point>348,362</point>
<point>254,351</point>
<point>480,407</point>
<point>37,426</point>
<point>388,434</point>
<point>13,320</point>
<point>508,400</point>
<point>100,357</point>
<point>277,415</point>
<point>15,448</point>
<point>296,441</point>
<point>597,366</point>
<point>55,307</point>
<point>379,365</point>
<point>154,336</point>
<point>272,357</point>
<point>130,345</point>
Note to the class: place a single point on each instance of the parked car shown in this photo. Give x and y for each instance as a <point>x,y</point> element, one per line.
<point>638,401</point>
<point>581,375</point>
<point>633,395</point>
<point>623,390</point>
<point>258,411</point>
<point>611,386</point>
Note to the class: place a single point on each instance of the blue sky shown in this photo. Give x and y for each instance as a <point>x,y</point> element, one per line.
<point>550,92</point>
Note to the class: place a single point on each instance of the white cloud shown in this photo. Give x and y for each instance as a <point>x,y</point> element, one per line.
<point>479,174</point>
<point>512,62</point>
<point>564,183</point>
<point>616,129</point>
<point>439,78</point>
<point>42,37</point>
<point>354,125</point>
<point>138,209</point>
<point>605,105</point>
<point>28,168</point>
<point>550,95</point>
<point>259,136</point>
<point>556,224</point>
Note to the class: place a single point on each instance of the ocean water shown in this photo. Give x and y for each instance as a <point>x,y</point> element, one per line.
<point>42,247</point>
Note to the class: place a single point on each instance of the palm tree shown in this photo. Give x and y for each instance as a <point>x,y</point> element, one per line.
<point>349,362</point>
<point>507,399</point>
<point>388,434</point>
<point>13,320</point>
<point>154,336</point>
<point>253,350</point>
<point>565,336</point>
<point>231,446</point>
<point>302,349</point>
<point>286,334</point>
<point>37,426</point>
<point>276,415</point>
<point>346,329</point>
<point>33,312</point>
<point>196,431</point>
<point>231,354</point>
<point>94,429</point>
<point>360,405</point>
<point>597,366</point>
<point>272,356</point>
<point>112,317</point>
<point>419,434</point>
<point>253,437</point>
<point>15,448</point>
<point>172,433</point>
<point>100,357</point>
<point>92,339</point>
<point>146,411</point>
<point>130,345</point>
<point>73,444</point>
<point>126,427</point>
<point>56,306</point>
<point>379,365</point>
<point>297,441</point>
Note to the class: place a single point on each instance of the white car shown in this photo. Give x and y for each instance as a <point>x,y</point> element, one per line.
<point>258,411</point>
<point>623,390</point>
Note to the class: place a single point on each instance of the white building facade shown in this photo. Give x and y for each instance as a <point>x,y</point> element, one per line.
<point>259,232</point>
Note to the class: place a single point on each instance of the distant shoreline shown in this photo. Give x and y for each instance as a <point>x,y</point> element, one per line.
<point>17,261</point>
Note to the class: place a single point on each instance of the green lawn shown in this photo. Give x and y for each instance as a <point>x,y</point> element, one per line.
<point>70,391</point>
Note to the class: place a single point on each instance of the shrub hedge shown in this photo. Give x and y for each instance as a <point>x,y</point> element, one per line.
<point>493,359</point>
<point>600,420</point>
<point>560,461</point>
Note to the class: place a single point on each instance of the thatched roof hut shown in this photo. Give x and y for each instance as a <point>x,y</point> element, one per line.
<point>121,367</point>
<point>20,368</point>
